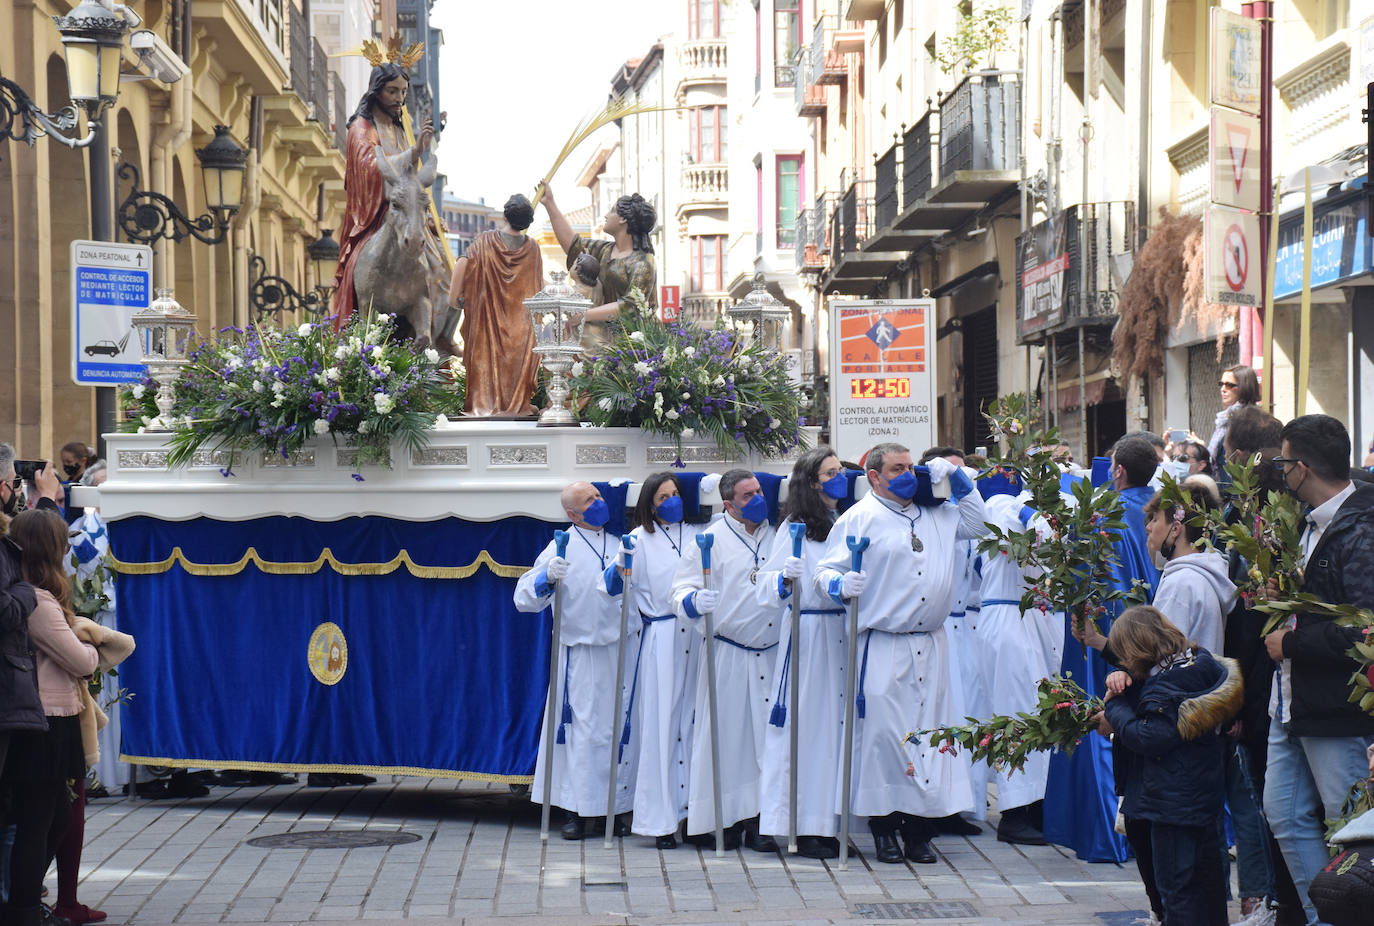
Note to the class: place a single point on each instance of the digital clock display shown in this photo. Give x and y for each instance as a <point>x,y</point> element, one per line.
<point>889,387</point>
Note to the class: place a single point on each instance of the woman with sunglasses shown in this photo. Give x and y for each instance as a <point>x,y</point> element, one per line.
<point>1239,387</point>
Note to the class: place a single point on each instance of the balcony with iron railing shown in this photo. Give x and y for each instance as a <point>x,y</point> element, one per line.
<point>980,136</point>
<point>703,61</point>
<point>829,46</point>
<point>340,110</point>
<point>1050,263</point>
<point>809,98</point>
<point>301,116</point>
<point>809,240</point>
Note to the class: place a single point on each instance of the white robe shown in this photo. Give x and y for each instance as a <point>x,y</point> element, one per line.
<point>1012,651</point>
<point>588,642</point>
<point>744,670</point>
<point>967,681</point>
<point>903,652</point>
<point>664,684</point>
<point>822,649</point>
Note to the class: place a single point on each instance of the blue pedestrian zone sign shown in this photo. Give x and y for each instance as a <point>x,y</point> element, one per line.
<point>110,283</point>
<point>883,333</point>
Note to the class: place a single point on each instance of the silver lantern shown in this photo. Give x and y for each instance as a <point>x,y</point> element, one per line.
<point>164,333</point>
<point>558,314</point>
<point>766,318</point>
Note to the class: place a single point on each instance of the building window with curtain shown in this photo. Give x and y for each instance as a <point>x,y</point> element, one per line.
<point>707,263</point>
<point>706,134</point>
<point>789,199</point>
<point>703,19</point>
<point>786,40</point>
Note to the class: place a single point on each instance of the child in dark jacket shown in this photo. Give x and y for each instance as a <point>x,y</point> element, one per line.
<point>1167,708</point>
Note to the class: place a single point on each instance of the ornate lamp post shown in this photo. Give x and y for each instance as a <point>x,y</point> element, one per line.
<point>146,216</point>
<point>270,294</point>
<point>93,41</point>
<point>164,333</point>
<point>324,257</point>
<point>767,317</point>
<point>557,313</point>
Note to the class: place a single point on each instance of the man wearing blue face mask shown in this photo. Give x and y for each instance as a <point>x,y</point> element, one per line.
<point>903,675</point>
<point>747,636</point>
<point>589,641</point>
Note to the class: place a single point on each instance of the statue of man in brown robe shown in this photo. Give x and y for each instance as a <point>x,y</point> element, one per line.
<point>501,269</point>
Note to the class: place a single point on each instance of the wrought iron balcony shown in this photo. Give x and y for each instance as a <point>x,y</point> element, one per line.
<point>808,98</point>
<point>885,197</point>
<point>980,130</point>
<point>1050,260</point>
<point>828,64</point>
<point>809,239</point>
<point>916,161</point>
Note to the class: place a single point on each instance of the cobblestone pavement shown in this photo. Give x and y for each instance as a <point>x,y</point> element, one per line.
<point>478,859</point>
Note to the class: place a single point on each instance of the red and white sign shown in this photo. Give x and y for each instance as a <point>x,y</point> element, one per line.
<point>1234,155</point>
<point>669,303</point>
<point>1230,260</point>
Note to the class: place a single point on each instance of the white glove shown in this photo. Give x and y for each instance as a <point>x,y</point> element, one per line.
<point>940,469</point>
<point>792,567</point>
<point>557,569</point>
<point>705,600</point>
<point>852,584</point>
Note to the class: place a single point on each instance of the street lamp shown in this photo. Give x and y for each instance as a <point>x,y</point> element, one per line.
<point>146,215</point>
<point>324,255</point>
<point>767,317</point>
<point>270,294</point>
<point>93,41</point>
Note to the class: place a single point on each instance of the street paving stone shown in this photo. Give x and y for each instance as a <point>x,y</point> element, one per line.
<point>479,861</point>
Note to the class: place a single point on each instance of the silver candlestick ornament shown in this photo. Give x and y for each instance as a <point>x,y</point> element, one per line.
<point>558,314</point>
<point>164,333</point>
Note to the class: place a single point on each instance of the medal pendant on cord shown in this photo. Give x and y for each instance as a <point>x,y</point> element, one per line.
<point>916,545</point>
<point>754,576</point>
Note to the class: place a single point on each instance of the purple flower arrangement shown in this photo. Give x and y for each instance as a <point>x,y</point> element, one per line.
<point>685,381</point>
<point>270,390</point>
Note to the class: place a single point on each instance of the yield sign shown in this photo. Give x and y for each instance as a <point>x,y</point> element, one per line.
<point>1234,155</point>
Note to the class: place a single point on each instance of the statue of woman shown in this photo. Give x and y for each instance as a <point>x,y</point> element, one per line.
<point>627,261</point>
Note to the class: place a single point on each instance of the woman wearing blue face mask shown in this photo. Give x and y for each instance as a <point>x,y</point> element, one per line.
<point>663,688</point>
<point>817,486</point>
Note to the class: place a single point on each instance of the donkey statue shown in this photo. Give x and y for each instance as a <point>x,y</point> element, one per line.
<point>400,270</point>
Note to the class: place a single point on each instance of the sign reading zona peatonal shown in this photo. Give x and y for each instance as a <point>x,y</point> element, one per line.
<point>1231,259</point>
<point>110,282</point>
<point>882,382</point>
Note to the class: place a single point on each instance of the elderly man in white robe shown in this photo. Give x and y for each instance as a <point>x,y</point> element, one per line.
<point>746,637</point>
<point>903,678</point>
<point>589,640</point>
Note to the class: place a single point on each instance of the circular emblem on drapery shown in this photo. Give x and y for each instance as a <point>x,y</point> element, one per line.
<point>327,654</point>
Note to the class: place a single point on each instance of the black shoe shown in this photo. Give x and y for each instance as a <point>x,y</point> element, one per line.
<point>1037,814</point>
<point>887,849</point>
<point>622,825</point>
<point>337,780</point>
<point>181,784</point>
<point>667,841</point>
<point>759,842</point>
<point>920,852</point>
<point>573,828</point>
<point>1016,829</point>
<point>817,847</point>
<point>955,825</point>
<point>708,840</point>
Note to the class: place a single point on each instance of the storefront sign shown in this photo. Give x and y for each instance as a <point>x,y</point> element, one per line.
<point>1340,247</point>
<point>1044,266</point>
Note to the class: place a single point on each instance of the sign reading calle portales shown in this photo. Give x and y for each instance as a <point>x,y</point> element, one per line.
<point>883,385</point>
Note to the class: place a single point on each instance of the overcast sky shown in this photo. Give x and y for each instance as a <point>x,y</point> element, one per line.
<point>517,76</point>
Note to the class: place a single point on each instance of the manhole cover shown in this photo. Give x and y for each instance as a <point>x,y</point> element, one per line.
<point>333,839</point>
<point>917,910</point>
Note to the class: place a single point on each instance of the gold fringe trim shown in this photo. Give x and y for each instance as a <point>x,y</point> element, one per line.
<point>326,558</point>
<point>242,766</point>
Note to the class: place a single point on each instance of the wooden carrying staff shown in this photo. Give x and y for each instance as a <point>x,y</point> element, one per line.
<point>627,545</point>
<point>798,532</point>
<point>857,545</point>
<point>560,545</point>
<point>704,541</point>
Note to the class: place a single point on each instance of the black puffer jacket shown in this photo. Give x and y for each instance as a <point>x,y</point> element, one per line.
<point>1169,722</point>
<point>1340,571</point>
<point>20,708</point>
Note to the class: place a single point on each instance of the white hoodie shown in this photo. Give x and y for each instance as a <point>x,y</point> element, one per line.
<point>1195,594</point>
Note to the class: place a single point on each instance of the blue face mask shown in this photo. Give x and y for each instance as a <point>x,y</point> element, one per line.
<point>597,513</point>
<point>904,486</point>
<point>669,510</point>
<point>755,510</point>
<point>837,486</point>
